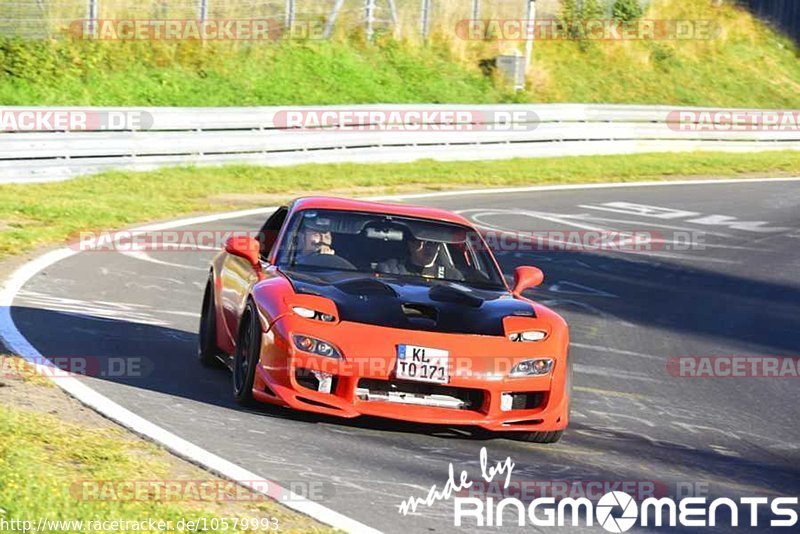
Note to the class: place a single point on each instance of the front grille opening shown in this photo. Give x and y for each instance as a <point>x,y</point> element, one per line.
<point>526,401</point>
<point>420,394</point>
<point>309,380</point>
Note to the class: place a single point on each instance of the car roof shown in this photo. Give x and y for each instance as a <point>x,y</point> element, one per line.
<point>406,210</point>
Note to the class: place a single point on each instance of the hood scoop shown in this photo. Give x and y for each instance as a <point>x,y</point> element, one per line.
<point>404,303</point>
<point>366,287</point>
<point>452,295</point>
<point>420,311</point>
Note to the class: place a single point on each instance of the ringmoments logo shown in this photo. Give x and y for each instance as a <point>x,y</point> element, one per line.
<point>621,501</point>
<point>615,511</point>
<point>618,511</point>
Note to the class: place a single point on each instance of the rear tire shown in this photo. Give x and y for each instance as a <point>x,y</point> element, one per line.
<point>248,349</point>
<point>207,351</point>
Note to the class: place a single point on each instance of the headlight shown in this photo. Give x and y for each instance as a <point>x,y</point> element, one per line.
<point>532,335</point>
<point>540,366</point>
<point>315,346</point>
<point>313,314</point>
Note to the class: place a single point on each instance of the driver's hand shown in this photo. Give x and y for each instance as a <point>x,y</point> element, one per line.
<point>327,250</point>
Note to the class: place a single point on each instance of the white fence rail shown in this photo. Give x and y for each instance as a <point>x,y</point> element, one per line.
<point>213,136</point>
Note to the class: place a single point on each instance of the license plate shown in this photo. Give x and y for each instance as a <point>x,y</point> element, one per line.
<point>422,364</point>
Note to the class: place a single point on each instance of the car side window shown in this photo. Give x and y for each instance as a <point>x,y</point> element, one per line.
<point>270,231</point>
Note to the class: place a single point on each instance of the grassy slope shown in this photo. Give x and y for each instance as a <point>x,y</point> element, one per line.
<point>188,74</point>
<point>38,214</point>
<point>747,65</point>
<point>41,458</point>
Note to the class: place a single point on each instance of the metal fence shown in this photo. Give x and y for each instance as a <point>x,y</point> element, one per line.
<point>102,139</point>
<point>51,18</point>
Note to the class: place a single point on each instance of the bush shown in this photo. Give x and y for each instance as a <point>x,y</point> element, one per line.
<point>575,13</point>
<point>627,10</point>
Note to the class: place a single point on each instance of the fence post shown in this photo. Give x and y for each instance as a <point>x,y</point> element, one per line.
<point>393,16</point>
<point>91,16</point>
<point>369,18</point>
<point>476,9</point>
<point>331,22</point>
<point>530,31</point>
<point>203,10</point>
<point>425,18</point>
<point>290,10</point>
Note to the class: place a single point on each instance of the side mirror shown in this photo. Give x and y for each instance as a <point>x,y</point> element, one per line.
<point>526,277</point>
<point>245,247</point>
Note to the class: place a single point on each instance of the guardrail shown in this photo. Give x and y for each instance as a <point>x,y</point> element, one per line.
<point>386,133</point>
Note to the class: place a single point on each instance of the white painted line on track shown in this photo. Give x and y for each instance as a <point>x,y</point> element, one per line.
<point>144,256</point>
<point>575,187</point>
<point>19,344</point>
<point>616,351</point>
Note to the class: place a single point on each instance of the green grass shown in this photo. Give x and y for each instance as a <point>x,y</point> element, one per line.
<point>51,213</point>
<point>190,74</point>
<point>747,65</point>
<point>42,458</point>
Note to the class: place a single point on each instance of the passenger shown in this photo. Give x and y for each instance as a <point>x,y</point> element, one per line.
<point>424,258</point>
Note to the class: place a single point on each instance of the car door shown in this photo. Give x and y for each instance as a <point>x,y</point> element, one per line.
<point>237,276</point>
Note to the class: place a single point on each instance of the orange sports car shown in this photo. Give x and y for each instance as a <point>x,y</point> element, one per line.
<point>349,308</point>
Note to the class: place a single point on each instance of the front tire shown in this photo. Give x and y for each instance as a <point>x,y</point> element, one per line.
<point>541,437</point>
<point>246,357</point>
<point>554,435</point>
<point>207,351</point>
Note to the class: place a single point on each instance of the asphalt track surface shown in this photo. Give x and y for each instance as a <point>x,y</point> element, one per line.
<point>629,312</point>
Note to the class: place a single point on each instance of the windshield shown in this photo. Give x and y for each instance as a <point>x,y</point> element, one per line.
<point>377,245</point>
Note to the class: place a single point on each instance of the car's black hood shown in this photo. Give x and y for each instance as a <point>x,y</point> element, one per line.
<point>412,303</point>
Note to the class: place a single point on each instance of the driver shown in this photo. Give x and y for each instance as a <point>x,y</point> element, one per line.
<point>315,245</point>
<point>314,239</point>
<point>424,258</point>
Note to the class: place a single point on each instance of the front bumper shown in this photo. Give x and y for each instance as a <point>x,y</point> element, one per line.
<point>363,383</point>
